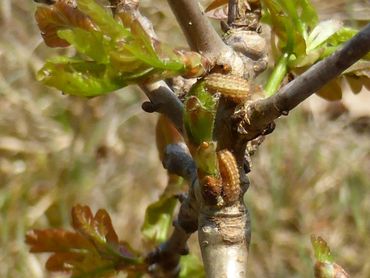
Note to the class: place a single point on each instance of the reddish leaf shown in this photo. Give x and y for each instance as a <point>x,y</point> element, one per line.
<point>45,241</point>
<point>92,251</point>
<point>105,226</point>
<point>61,15</point>
<point>166,133</point>
<point>98,229</point>
<point>63,261</point>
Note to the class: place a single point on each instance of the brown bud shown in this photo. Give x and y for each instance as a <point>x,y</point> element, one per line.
<point>211,189</point>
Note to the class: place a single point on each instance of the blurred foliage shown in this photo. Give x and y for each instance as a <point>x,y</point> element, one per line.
<point>310,177</point>
<point>93,250</point>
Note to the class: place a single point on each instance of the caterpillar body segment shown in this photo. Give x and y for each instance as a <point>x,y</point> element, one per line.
<point>230,86</point>
<point>230,176</point>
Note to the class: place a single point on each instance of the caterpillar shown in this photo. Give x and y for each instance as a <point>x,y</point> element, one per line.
<point>230,176</point>
<point>230,86</point>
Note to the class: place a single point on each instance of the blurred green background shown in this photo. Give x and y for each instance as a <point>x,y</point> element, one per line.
<point>312,176</point>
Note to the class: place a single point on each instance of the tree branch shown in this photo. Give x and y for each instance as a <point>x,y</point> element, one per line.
<point>262,112</point>
<point>232,11</point>
<point>178,161</point>
<point>164,260</point>
<point>224,238</point>
<point>163,100</point>
<point>200,34</point>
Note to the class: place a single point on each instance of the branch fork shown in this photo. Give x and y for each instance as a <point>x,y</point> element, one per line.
<point>224,231</point>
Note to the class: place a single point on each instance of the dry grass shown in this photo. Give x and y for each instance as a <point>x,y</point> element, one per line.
<point>310,176</point>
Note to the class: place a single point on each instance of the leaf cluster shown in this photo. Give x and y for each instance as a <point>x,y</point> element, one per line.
<point>303,41</point>
<point>111,52</point>
<point>91,250</point>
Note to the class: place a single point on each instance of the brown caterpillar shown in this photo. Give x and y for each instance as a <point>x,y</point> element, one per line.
<point>230,86</point>
<point>230,176</point>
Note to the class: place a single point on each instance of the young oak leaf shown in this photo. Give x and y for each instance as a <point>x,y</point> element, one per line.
<point>99,230</point>
<point>59,16</point>
<point>199,114</point>
<point>103,19</point>
<point>71,252</point>
<point>158,218</point>
<point>90,43</point>
<point>45,241</point>
<point>191,267</point>
<point>325,267</point>
<point>93,250</point>
<point>303,41</point>
<point>79,77</point>
<point>113,53</point>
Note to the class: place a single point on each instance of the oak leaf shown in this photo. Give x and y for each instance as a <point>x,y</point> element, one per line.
<point>59,16</point>
<point>92,250</point>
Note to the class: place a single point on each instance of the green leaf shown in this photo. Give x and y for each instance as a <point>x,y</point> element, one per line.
<point>90,43</point>
<point>321,249</point>
<point>342,35</point>
<point>158,219</point>
<point>308,15</point>
<point>306,60</point>
<point>103,19</point>
<point>325,267</point>
<point>322,32</point>
<point>200,113</point>
<point>109,55</point>
<point>206,159</point>
<point>79,77</point>
<point>191,267</point>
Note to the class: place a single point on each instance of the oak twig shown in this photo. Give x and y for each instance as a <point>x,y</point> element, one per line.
<point>232,12</point>
<point>178,161</point>
<point>200,34</point>
<point>164,260</point>
<point>163,100</point>
<point>262,112</point>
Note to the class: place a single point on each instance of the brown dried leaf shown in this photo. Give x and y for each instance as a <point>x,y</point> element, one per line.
<point>331,91</point>
<point>61,15</point>
<point>357,83</point>
<point>215,4</point>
